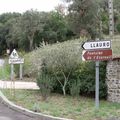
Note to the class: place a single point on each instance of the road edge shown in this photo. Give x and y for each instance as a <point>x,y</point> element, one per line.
<point>27,112</point>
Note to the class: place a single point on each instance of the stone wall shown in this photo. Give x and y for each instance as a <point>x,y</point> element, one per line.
<point>113,80</point>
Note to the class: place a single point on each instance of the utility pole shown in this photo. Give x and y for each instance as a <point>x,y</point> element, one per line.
<point>111,18</point>
<point>97,83</point>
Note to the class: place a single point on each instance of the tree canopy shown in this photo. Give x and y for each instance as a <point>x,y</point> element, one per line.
<point>28,30</point>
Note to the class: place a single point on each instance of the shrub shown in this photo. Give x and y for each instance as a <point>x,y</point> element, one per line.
<point>62,63</point>
<point>85,74</point>
<point>45,84</point>
<point>75,88</point>
<point>59,60</point>
<point>118,27</point>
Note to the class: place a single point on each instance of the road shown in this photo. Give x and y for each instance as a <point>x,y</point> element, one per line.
<point>10,114</point>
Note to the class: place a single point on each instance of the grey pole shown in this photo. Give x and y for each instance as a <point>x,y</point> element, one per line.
<point>97,86</point>
<point>21,66</point>
<point>12,71</point>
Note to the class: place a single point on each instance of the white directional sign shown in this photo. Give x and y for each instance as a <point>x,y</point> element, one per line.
<point>14,54</point>
<point>97,45</point>
<point>16,61</point>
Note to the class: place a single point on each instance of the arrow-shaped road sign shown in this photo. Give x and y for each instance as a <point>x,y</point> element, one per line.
<point>96,45</point>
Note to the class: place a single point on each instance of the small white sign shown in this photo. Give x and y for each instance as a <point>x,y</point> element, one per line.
<point>96,45</point>
<point>16,61</point>
<point>14,54</point>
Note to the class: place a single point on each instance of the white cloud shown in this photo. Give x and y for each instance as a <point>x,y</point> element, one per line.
<point>23,5</point>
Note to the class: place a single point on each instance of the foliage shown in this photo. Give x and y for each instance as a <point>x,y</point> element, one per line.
<point>75,88</point>
<point>6,21</point>
<point>83,16</point>
<point>29,66</point>
<point>59,60</point>
<point>85,74</point>
<point>26,31</point>
<point>45,84</point>
<point>92,15</point>
<point>55,28</point>
<point>63,64</point>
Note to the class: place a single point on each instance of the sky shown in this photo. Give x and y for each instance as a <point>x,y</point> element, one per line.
<point>23,5</point>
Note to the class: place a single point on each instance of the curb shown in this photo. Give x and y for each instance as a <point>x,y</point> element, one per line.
<point>27,112</point>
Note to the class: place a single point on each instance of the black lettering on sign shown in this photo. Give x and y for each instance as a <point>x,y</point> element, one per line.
<point>97,45</point>
<point>104,44</point>
<point>100,44</point>
<point>91,45</point>
<point>108,44</point>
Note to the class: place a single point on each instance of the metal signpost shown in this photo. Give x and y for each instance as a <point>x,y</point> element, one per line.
<point>97,51</point>
<point>15,59</point>
<point>97,85</point>
<point>105,54</point>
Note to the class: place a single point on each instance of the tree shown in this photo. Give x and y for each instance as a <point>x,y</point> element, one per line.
<point>29,24</point>
<point>24,28</point>
<point>83,16</point>
<point>55,28</point>
<point>60,61</point>
<point>5,26</point>
<point>2,39</point>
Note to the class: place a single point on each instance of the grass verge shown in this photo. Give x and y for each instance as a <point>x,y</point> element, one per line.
<point>57,105</point>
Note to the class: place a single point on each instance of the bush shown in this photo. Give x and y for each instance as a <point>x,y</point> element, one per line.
<point>59,60</point>
<point>118,27</point>
<point>45,84</point>
<point>28,68</point>
<point>86,76</point>
<point>75,88</point>
<point>63,65</point>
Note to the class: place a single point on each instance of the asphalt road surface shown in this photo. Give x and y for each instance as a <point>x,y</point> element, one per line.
<point>10,114</point>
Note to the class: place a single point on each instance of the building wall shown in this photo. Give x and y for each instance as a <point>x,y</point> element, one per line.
<point>113,80</point>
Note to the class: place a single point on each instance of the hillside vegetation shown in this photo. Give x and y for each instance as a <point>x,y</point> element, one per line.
<point>59,68</point>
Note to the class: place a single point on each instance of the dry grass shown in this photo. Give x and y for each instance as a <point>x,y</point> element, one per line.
<point>80,108</point>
